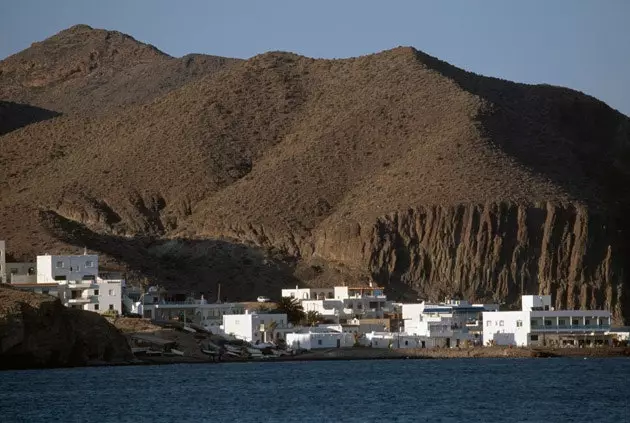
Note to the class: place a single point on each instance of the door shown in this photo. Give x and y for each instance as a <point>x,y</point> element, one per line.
<point>338,343</point>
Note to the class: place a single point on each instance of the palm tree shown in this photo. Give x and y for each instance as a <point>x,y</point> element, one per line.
<point>292,308</point>
<point>269,331</point>
<point>313,317</point>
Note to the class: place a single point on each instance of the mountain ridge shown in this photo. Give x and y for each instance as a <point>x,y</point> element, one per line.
<point>394,167</point>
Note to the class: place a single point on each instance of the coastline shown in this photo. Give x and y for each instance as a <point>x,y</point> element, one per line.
<point>356,354</point>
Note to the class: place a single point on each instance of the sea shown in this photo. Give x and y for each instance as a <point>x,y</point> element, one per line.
<point>451,390</point>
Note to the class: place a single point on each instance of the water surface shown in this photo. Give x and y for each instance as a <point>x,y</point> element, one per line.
<point>454,390</point>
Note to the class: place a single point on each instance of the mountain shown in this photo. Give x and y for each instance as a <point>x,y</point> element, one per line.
<point>395,167</point>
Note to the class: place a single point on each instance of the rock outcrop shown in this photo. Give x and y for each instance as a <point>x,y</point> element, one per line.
<point>38,331</point>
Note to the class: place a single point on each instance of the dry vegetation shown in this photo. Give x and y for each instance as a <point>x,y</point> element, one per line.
<point>256,167</point>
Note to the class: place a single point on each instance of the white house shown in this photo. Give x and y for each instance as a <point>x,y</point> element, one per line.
<point>319,337</point>
<point>342,301</point>
<point>308,293</point>
<point>401,340</point>
<point>254,327</point>
<point>537,323</point>
<point>208,315</point>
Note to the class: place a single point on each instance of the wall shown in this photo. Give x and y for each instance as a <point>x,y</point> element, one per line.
<point>21,268</point>
<point>316,340</point>
<point>3,252</point>
<point>529,302</point>
<point>110,295</point>
<point>73,268</point>
<point>501,327</point>
<point>239,325</point>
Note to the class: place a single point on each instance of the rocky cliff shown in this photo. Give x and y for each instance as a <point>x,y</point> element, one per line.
<point>38,331</point>
<point>255,174</point>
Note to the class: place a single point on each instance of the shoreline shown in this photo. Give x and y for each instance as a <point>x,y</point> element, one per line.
<point>362,354</point>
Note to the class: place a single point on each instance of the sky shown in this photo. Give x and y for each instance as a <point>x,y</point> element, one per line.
<point>580,44</point>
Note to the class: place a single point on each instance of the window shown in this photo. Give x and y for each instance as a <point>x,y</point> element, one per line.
<point>500,322</point>
<point>406,342</point>
<point>59,265</point>
<point>488,322</point>
<point>89,263</point>
<point>96,292</point>
<point>95,306</point>
<point>112,292</point>
<point>519,323</point>
<point>575,322</point>
<point>547,322</point>
<point>562,322</point>
<point>587,322</point>
<point>533,337</point>
<point>319,342</point>
<point>111,306</point>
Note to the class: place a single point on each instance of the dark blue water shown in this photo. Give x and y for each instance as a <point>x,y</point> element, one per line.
<point>467,390</point>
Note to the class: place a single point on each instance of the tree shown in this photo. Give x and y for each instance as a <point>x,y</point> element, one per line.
<point>292,308</point>
<point>269,329</point>
<point>313,317</point>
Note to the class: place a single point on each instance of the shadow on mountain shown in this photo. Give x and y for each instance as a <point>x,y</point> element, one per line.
<point>14,115</point>
<point>184,265</point>
<point>554,131</point>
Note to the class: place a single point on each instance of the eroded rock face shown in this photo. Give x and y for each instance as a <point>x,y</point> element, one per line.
<point>38,331</point>
<point>495,251</point>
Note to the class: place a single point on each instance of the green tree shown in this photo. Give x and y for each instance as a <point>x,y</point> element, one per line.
<point>313,317</point>
<point>292,308</point>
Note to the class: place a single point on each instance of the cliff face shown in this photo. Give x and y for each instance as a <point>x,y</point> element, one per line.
<point>280,169</point>
<point>499,251</point>
<point>38,331</point>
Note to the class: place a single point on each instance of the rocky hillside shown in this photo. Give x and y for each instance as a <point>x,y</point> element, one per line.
<point>38,331</point>
<point>393,167</point>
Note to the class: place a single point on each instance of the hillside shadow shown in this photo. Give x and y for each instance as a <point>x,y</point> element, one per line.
<point>554,131</point>
<point>14,115</point>
<point>184,265</point>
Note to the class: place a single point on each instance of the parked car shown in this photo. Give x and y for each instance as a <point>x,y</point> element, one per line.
<point>262,299</point>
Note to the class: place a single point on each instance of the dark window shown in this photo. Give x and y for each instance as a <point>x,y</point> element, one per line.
<point>96,292</point>
<point>547,322</point>
<point>111,306</point>
<point>95,306</point>
<point>534,337</point>
<point>319,342</point>
<point>576,322</point>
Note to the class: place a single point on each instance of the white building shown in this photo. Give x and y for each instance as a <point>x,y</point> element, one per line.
<point>253,327</point>
<point>308,293</point>
<point>401,340</point>
<point>539,324</point>
<point>67,268</point>
<point>342,301</point>
<point>319,337</point>
<point>457,320</point>
<point>208,315</point>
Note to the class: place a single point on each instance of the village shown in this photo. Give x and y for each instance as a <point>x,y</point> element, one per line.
<point>303,319</point>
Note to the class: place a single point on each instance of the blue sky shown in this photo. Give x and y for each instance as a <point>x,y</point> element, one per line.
<point>581,44</point>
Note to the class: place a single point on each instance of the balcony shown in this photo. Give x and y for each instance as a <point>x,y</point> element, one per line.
<point>91,299</point>
<point>567,328</point>
<point>82,285</point>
